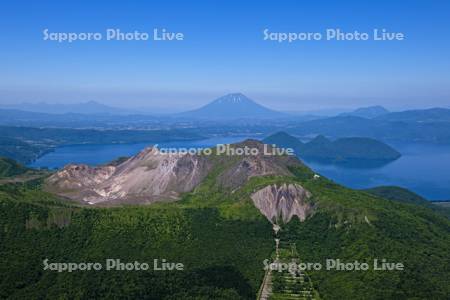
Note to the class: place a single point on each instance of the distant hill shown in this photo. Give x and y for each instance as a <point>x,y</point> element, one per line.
<point>336,126</point>
<point>232,106</point>
<point>377,128</point>
<point>9,167</point>
<point>90,107</point>
<point>318,113</point>
<point>396,193</point>
<point>368,112</point>
<point>403,195</point>
<point>16,117</point>
<point>343,149</point>
<point>25,144</point>
<point>422,115</point>
<point>282,139</point>
<point>19,150</point>
<point>365,148</point>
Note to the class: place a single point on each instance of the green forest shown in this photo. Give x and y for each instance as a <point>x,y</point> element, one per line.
<point>222,240</point>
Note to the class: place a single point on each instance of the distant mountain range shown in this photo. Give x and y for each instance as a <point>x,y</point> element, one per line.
<point>427,125</point>
<point>90,107</point>
<point>368,112</point>
<point>340,150</point>
<point>233,106</point>
<point>25,144</point>
<point>420,127</point>
<point>418,115</point>
<point>236,105</point>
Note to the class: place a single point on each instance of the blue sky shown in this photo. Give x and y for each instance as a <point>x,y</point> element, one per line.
<point>224,51</point>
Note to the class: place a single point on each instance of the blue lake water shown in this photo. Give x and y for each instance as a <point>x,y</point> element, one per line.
<point>423,168</point>
<point>100,154</point>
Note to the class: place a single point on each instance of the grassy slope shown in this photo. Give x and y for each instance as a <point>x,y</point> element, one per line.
<point>399,194</point>
<point>9,167</point>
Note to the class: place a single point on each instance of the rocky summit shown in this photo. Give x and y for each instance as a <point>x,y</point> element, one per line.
<point>144,178</point>
<point>153,175</point>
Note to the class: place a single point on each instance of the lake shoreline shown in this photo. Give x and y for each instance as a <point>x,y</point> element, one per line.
<point>422,167</point>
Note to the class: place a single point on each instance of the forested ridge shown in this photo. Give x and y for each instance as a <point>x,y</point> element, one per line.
<point>222,240</point>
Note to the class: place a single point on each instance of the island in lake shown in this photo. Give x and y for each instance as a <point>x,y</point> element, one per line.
<point>343,150</point>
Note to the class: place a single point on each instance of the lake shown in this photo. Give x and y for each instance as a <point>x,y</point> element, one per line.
<point>100,154</point>
<point>423,168</point>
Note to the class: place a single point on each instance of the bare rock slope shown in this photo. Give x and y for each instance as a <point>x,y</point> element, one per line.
<point>146,177</point>
<point>153,176</point>
<point>279,203</point>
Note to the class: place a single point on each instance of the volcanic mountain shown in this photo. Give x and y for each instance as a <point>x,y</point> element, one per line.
<point>233,106</point>
<point>221,224</point>
<point>153,175</point>
<point>146,177</point>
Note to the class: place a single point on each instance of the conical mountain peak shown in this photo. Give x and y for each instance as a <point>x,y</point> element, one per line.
<point>233,106</point>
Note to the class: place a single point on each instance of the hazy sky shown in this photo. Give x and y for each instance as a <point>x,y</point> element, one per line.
<point>223,51</point>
